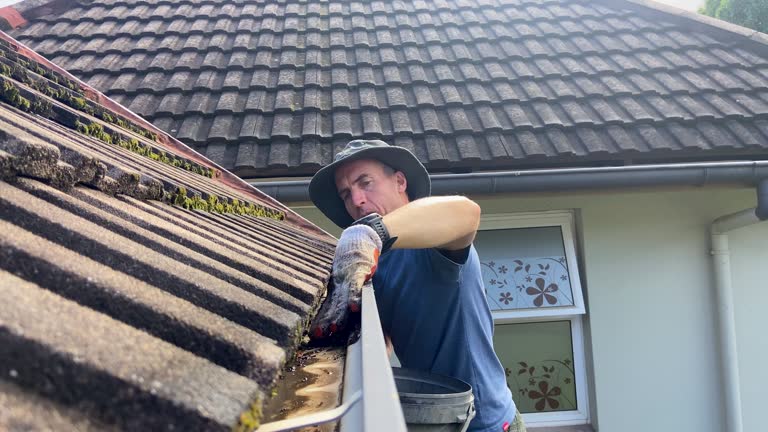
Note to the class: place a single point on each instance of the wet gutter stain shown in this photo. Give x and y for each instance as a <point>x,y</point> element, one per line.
<point>311,383</point>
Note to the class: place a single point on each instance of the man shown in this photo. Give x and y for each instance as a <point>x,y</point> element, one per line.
<point>427,280</point>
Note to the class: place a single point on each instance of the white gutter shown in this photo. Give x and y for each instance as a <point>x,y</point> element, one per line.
<point>368,371</point>
<point>721,263</point>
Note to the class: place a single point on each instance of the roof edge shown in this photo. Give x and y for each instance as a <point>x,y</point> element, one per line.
<point>19,14</point>
<point>756,39</point>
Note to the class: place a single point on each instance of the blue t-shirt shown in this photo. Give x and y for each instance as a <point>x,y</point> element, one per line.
<point>437,315</point>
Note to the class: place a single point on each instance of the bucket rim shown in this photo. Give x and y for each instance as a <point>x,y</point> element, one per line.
<point>452,382</point>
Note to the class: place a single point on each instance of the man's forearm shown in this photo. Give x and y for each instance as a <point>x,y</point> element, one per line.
<point>446,222</point>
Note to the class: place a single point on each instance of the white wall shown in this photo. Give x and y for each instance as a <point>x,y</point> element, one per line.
<point>651,317</point>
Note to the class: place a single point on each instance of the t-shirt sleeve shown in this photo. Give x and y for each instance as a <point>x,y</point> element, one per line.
<point>447,264</point>
<point>457,256</point>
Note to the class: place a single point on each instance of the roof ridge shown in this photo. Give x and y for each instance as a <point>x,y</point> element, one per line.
<point>758,39</point>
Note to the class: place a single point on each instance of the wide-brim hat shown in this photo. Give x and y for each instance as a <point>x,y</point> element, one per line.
<point>322,187</point>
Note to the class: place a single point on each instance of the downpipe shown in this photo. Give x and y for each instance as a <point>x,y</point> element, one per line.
<point>721,264</point>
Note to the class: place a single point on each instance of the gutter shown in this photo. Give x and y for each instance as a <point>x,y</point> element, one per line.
<point>721,264</point>
<point>568,179</point>
<point>368,370</point>
<point>370,402</point>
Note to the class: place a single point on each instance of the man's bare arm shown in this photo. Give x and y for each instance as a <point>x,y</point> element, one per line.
<point>445,222</point>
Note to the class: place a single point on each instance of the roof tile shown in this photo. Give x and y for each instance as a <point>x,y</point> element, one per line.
<point>638,112</point>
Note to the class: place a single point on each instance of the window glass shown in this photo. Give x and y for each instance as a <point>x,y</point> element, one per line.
<point>525,268</point>
<point>538,361</point>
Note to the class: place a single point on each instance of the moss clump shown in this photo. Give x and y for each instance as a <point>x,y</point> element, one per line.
<point>10,94</point>
<point>95,130</point>
<point>78,103</point>
<point>20,74</point>
<point>250,419</point>
<point>214,204</point>
<point>42,107</point>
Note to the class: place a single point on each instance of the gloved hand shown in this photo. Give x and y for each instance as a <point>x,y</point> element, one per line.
<point>355,261</point>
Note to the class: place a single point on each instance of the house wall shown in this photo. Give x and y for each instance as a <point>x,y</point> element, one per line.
<point>651,323</point>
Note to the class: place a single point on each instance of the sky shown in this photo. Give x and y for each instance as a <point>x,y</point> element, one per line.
<point>682,4</point>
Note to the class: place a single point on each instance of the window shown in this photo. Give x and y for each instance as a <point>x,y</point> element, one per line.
<point>533,289</point>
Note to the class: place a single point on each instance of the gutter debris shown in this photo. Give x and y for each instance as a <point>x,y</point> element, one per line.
<point>311,383</point>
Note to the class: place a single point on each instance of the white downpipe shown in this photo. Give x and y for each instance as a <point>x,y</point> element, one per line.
<point>721,260</point>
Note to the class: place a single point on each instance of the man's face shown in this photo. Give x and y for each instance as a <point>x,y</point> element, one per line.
<point>367,186</point>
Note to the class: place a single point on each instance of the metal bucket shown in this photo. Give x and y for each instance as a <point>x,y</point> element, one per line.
<point>434,403</point>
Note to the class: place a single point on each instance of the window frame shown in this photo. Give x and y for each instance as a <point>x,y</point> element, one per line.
<point>574,314</point>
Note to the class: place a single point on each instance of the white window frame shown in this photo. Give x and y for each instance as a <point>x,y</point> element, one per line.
<point>574,314</point>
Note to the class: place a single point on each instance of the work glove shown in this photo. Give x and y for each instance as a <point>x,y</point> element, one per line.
<point>355,261</point>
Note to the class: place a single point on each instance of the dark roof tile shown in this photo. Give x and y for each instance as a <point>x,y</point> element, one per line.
<point>716,136</point>
<point>686,138</point>
<point>605,111</point>
<point>615,85</point>
<point>754,105</point>
<point>668,108</point>
<point>726,80</point>
<point>653,137</point>
<point>518,116</point>
<point>530,145</point>
<point>592,141</point>
<point>459,120</point>
<point>725,106</point>
<point>311,125</point>
<point>576,114</point>
<point>645,83</point>
<point>171,104</point>
<point>342,124</point>
<point>744,133</point>
<point>488,119</point>
<point>699,81</point>
<point>546,114</point>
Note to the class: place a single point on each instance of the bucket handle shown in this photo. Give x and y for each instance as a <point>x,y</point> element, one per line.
<point>467,417</point>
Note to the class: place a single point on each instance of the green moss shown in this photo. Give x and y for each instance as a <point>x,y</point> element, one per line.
<point>24,104</point>
<point>82,128</point>
<point>77,103</point>
<point>20,74</point>
<point>42,107</point>
<point>215,205</point>
<point>179,196</point>
<point>10,93</point>
<point>250,419</point>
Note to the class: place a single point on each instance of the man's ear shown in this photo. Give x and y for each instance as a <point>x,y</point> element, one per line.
<point>402,182</point>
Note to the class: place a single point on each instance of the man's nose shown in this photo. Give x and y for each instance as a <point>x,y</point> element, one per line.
<point>358,197</point>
